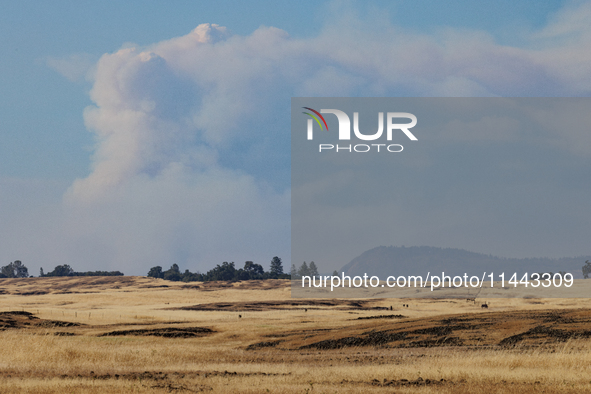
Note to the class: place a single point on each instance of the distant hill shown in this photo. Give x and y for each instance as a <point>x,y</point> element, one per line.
<point>419,260</point>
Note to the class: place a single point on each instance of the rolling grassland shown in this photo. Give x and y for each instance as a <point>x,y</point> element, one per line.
<point>136,335</point>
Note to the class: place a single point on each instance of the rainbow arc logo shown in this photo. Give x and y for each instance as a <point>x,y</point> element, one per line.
<point>316,118</point>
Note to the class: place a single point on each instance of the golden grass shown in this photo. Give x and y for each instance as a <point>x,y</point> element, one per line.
<point>35,360</point>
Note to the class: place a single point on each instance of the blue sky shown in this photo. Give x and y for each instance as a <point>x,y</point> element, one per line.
<point>67,194</point>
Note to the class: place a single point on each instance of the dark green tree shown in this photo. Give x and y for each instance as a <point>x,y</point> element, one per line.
<point>335,273</point>
<point>188,276</point>
<point>304,270</point>
<point>254,271</point>
<point>20,270</point>
<point>61,270</point>
<point>156,272</point>
<point>587,269</point>
<point>173,274</point>
<point>15,269</point>
<point>313,269</point>
<point>7,271</point>
<point>226,271</point>
<point>293,271</point>
<point>276,266</point>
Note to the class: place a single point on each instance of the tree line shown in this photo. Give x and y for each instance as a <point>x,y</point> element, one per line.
<point>66,270</point>
<point>304,270</point>
<point>307,270</point>
<point>225,271</point>
<point>17,269</point>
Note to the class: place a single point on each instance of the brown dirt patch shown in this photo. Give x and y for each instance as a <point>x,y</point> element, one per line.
<point>285,305</point>
<point>381,317</point>
<point>405,382</point>
<point>260,345</point>
<point>167,332</point>
<point>494,329</point>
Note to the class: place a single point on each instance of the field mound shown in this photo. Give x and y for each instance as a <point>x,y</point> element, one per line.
<point>381,317</point>
<point>19,320</point>
<point>492,329</point>
<point>167,332</point>
<point>285,305</point>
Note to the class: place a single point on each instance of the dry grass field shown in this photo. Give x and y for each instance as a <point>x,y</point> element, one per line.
<point>136,334</point>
